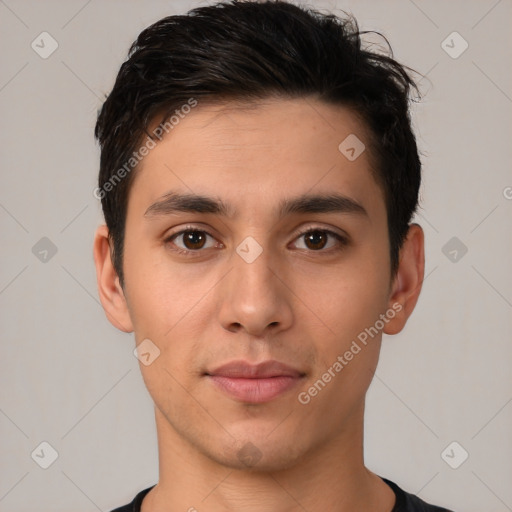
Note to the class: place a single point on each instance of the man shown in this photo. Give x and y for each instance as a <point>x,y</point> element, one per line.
<point>258,177</point>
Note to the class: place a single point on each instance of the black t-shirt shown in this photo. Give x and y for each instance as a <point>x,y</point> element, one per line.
<point>405,502</point>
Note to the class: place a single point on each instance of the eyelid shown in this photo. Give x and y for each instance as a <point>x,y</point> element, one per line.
<point>309,228</point>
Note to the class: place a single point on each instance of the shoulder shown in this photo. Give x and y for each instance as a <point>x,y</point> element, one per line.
<point>136,504</point>
<point>406,502</point>
<point>125,508</point>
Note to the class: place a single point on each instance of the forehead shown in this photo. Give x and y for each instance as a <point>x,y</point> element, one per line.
<point>274,124</point>
<point>265,148</point>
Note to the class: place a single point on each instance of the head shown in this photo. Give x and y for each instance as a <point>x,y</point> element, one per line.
<point>226,52</point>
<point>266,129</point>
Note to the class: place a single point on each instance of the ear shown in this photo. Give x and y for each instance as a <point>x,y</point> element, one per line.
<point>408,280</point>
<point>110,291</point>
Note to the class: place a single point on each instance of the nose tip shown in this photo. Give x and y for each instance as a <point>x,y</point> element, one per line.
<point>254,299</point>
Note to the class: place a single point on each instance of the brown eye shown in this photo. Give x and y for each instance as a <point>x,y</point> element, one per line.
<point>190,240</point>
<point>319,239</point>
<point>193,239</point>
<point>315,239</point>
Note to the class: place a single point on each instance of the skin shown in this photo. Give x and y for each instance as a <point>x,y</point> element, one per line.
<point>298,303</point>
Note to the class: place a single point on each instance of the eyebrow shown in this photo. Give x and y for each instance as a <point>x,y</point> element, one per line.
<point>173,202</point>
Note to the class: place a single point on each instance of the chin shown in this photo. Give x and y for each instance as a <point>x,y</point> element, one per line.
<point>258,454</point>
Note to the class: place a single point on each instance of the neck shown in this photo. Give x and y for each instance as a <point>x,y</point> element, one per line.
<point>331,476</point>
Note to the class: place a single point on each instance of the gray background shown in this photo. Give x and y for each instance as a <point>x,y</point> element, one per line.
<point>70,379</point>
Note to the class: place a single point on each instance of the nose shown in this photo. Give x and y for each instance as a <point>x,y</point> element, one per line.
<point>255,297</point>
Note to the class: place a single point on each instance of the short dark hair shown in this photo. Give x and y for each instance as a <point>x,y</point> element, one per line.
<point>252,50</point>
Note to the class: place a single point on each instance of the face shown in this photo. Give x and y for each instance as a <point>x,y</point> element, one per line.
<point>283,258</point>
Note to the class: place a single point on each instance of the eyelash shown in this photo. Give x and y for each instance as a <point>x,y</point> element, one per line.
<point>342,241</point>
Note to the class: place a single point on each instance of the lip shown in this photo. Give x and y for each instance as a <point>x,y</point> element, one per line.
<point>258,383</point>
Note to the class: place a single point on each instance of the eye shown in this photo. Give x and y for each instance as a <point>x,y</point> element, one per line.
<point>190,240</point>
<point>317,239</point>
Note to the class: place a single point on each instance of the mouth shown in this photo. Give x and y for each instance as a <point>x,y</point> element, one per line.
<point>255,384</point>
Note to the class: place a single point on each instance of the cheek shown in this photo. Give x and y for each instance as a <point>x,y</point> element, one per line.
<point>346,343</point>
<point>159,294</point>
<point>345,299</point>
<point>170,306</point>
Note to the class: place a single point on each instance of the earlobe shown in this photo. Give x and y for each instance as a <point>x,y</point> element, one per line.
<point>408,280</point>
<point>110,291</point>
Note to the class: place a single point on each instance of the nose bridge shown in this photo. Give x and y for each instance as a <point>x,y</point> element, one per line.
<point>256,298</point>
<point>252,270</point>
